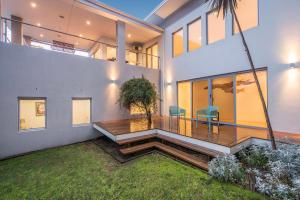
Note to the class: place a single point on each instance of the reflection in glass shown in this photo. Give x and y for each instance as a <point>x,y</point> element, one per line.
<point>247,13</point>
<point>248,105</point>
<point>194,35</point>
<point>178,43</point>
<point>215,26</point>
<point>200,96</point>
<point>184,97</point>
<point>223,97</point>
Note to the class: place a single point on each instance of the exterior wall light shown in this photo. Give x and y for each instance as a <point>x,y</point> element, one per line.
<point>292,66</point>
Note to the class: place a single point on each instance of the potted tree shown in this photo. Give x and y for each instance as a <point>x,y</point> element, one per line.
<point>141,94</point>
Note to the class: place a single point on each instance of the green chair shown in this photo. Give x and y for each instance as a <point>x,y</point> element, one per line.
<point>175,111</point>
<point>210,113</point>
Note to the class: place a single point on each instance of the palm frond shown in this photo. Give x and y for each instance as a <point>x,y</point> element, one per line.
<point>223,5</point>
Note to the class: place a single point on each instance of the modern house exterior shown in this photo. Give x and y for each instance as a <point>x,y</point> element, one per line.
<point>62,63</point>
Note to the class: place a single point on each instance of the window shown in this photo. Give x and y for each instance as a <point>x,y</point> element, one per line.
<point>194,35</point>
<point>247,13</point>
<point>111,53</point>
<point>184,97</point>
<point>249,110</point>
<point>32,113</point>
<point>81,111</point>
<point>178,43</point>
<point>152,57</point>
<point>215,26</point>
<point>131,58</point>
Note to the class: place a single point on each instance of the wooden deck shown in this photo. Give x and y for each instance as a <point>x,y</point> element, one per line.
<point>223,135</point>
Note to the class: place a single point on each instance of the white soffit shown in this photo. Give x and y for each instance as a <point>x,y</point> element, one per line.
<point>166,8</point>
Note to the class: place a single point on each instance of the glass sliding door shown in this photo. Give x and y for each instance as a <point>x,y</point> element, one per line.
<point>200,96</point>
<point>235,95</point>
<point>249,110</point>
<point>184,97</point>
<point>222,95</point>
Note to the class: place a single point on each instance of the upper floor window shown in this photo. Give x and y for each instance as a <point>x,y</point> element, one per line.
<point>247,13</point>
<point>194,35</point>
<point>178,43</point>
<point>81,111</point>
<point>32,113</point>
<point>215,26</point>
<point>152,57</point>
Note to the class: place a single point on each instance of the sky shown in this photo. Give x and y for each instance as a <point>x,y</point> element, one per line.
<point>137,8</point>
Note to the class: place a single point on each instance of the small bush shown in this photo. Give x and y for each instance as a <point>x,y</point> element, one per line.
<point>255,156</point>
<point>226,168</point>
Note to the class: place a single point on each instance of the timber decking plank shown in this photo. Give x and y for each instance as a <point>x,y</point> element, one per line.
<point>170,150</point>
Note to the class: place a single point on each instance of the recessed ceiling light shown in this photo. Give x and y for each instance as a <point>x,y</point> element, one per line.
<point>129,35</point>
<point>38,24</point>
<point>88,22</point>
<point>80,35</point>
<point>33,4</point>
<point>41,35</point>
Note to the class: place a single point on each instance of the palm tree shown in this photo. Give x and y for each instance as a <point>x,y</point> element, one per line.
<point>230,6</point>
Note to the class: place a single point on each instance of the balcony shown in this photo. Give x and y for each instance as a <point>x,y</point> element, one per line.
<point>83,32</point>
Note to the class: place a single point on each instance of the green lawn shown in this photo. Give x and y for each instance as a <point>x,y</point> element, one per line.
<point>84,171</point>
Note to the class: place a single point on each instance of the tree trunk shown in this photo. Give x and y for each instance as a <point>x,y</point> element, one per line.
<point>256,81</point>
<point>149,118</point>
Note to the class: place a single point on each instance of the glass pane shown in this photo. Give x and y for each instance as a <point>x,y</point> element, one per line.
<point>247,13</point>
<point>131,58</point>
<point>249,109</point>
<point>223,97</point>
<point>81,110</point>
<point>200,96</point>
<point>111,53</point>
<point>155,59</point>
<point>216,26</point>
<point>32,113</point>
<point>194,30</point>
<point>149,61</point>
<point>178,43</point>
<point>184,97</point>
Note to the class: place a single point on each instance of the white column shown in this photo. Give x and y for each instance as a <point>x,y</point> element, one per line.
<point>1,24</point>
<point>121,41</point>
<point>16,30</point>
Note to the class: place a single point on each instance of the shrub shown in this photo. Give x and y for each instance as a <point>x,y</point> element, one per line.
<point>255,156</point>
<point>226,168</point>
<point>280,178</point>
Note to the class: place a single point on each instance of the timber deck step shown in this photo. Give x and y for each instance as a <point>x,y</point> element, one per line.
<point>137,139</point>
<point>167,149</point>
<point>197,148</point>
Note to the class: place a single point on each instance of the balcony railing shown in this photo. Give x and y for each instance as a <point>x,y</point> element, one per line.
<point>37,36</point>
<point>142,59</point>
<point>45,38</point>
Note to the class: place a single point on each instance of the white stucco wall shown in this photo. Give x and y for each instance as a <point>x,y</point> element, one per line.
<point>274,44</point>
<point>28,72</point>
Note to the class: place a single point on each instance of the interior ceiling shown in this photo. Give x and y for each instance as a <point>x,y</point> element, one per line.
<point>48,12</point>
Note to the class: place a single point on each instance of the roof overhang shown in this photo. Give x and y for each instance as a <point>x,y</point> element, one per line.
<point>164,10</point>
<point>114,14</point>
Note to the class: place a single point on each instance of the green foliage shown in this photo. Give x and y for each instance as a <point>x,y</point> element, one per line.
<point>139,92</point>
<point>255,156</point>
<point>85,171</point>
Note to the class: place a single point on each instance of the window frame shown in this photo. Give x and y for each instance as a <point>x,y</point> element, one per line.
<point>19,112</point>
<point>72,112</point>
<point>207,34</point>
<point>188,34</point>
<point>180,29</point>
<point>258,21</point>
